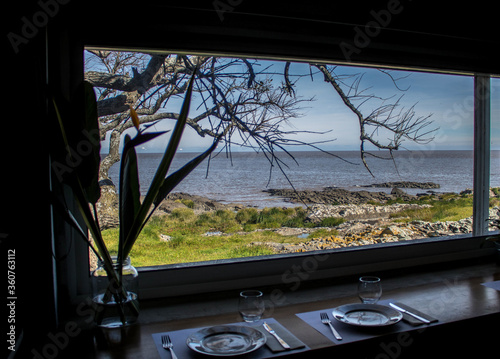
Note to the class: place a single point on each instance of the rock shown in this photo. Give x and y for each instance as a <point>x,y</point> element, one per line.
<point>398,192</point>
<point>165,238</point>
<point>404,184</point>
<point>288,231</point>
<point>391,231</point>
<point>434,234</point>
<point>330,196</point>
<point>199,204</point>
<point>212,234</point>
<point>333,195</point>
<point>362,211</point>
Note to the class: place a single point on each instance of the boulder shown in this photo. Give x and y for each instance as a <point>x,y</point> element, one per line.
<point>398,192</point>
<point>359,212</point>
<point>405,184</point>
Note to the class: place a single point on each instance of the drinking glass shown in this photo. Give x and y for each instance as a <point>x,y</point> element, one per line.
<point>251,305</point>
<point>369,289</point>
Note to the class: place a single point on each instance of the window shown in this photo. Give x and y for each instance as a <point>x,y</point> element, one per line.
<point>289,106</point>
<point>495,147</point>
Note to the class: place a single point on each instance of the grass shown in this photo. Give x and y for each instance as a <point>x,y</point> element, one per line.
<point>188,241</point>
<point>449,207</point>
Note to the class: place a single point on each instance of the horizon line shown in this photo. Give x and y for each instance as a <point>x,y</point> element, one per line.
<point>139,151</point>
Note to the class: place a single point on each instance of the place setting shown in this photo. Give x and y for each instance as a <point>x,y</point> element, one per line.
<point>255,337</point>
<point>372,317</point>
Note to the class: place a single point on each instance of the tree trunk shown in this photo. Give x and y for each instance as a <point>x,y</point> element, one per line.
<point>112,157</point>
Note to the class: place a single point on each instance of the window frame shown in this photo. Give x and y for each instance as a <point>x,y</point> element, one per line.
<point>292,270</point>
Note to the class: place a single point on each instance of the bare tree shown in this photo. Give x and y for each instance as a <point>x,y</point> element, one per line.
<point>391,119</point>
<point>240,99</point>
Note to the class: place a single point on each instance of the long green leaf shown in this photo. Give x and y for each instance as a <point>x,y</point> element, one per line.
<point>175,178</point>
<point>141,138</point>
<point>129,194</point>
<point>161,172</point>
<point>83,204</point>
<point>81,196</point>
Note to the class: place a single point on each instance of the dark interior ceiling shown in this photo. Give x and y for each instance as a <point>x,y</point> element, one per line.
<point>421,34</point>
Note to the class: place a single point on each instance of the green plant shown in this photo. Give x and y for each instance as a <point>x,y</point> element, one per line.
<point>133,214</point>
<point>245,215</point>
<point>331,221</point>
<point>182,214</point>
<point>187,202</point>
<point>322,232</point>
<point>296,222</point>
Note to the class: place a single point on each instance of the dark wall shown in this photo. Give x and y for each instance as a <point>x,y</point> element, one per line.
<point>394,33</point>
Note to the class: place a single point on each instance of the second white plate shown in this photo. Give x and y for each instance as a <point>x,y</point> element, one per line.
<point>367,315</point>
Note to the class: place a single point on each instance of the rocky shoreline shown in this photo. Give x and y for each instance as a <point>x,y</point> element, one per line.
<point>405,184</point>
<point>364,223</point>
<point>340,196</point>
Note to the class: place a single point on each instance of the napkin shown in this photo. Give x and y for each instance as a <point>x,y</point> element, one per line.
<point>413,321</point>
<point>273,344</point>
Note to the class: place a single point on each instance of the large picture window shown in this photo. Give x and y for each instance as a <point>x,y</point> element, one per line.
<point>314,158</point>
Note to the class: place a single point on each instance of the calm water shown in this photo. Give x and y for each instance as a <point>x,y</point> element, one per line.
<point>243,178</point>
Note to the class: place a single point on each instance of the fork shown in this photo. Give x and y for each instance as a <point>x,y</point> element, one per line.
<point>327,321</point>
<point>166,343</point>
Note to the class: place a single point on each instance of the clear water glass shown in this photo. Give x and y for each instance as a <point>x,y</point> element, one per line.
<point>251,305</point>
<point>369,289</point>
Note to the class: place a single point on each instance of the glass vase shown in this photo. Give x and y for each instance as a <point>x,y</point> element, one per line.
<point>115,305</point>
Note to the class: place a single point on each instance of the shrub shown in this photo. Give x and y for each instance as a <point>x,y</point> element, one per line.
<point>182,214</point>
<point>176,241</point>
<point>248,227</point>
<point>323,232</point>
<point>295,222</point>
<point>188,203</point>
<point>204,219</point>
<point>246,215</point>
<point>331,221</point>
<point>225,215</point>
<point>494,202</point>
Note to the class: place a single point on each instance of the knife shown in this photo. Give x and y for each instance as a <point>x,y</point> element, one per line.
<point>273,333</point>
<point>409,313</point>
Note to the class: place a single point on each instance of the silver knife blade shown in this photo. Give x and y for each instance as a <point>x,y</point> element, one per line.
<point>409,313</point>
<point>273,333</point>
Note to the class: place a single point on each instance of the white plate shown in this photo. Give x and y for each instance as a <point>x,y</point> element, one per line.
<point>226,340</point>
<point>367,315</point>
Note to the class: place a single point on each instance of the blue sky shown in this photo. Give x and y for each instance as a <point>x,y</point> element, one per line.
<point>449,98</point>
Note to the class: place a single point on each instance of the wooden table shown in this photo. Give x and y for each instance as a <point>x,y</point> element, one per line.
<point>466,310</point>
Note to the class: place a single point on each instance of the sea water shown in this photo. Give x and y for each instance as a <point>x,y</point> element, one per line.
<point>242,177</point>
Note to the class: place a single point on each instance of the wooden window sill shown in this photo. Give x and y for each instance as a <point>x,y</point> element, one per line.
<point>465,308</point>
